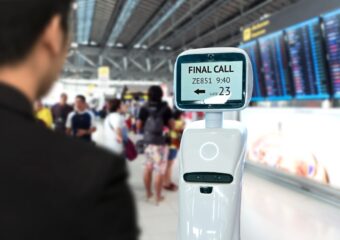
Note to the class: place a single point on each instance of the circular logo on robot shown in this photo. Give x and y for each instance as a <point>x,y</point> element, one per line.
<point>209,151</point>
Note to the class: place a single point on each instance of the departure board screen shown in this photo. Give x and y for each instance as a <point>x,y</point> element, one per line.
<point>308,60</point>
<point>274,67</point>
<point>252,49</point>
<point>332,32</point>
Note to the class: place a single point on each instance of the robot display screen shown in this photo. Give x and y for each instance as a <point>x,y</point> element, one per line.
<point>211,81</point>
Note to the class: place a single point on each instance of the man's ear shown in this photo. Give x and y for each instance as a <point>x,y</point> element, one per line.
<point>52,37</point>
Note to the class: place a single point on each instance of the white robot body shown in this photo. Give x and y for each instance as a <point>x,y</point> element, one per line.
<point>211,211</point>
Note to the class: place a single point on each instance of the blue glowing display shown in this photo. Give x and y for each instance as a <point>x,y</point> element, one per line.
<point>308,60</point>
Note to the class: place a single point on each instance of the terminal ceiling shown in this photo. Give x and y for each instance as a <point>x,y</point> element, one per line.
<point>139,39</point>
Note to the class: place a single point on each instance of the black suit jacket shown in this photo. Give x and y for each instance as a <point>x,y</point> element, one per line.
<point>55,187</point>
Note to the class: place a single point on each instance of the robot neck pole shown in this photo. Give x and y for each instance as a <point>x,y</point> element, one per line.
<point>214,120</point>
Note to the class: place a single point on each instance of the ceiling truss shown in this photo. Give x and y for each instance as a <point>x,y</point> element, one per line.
<point>124,64</point>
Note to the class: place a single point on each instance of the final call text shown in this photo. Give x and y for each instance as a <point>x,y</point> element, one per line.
<point>208,69</point>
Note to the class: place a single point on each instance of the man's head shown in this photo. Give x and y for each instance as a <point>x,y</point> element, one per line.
<point>80,103</point>
<point>63,99</point>
<point>155,93</point>
<point>34,37</point>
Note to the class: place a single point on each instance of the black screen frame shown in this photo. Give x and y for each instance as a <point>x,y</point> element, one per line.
<point>210,57</point>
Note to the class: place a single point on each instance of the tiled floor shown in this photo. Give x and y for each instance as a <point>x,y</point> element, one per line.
<point>269,212</point>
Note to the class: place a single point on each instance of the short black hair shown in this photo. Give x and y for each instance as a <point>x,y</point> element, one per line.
<point>81,97</point>
<point>155,93</point>
<point>115,105</point>
<point>23,21</point>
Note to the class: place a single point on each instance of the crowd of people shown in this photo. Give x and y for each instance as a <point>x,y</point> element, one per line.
<point>153,124</point>
<point>77,121</point>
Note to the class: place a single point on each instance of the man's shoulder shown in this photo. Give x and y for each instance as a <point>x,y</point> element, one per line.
<point>35,138</point>
<point>87,113</point>
<point>78,147</point>
<point>164,108</point>
<point>76,150</point>
<point>153,107</point>
<point>92,165</point>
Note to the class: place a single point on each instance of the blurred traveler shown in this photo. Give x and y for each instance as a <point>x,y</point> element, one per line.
<point>43,114</point>
<point>60,112</point>
<point>115,131</point>
<point>52,187</point>
<point>175,135</point>
<point>81,122</point>
<point>154,116</point>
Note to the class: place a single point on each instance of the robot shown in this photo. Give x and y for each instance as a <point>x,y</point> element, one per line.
<point>212,153</point>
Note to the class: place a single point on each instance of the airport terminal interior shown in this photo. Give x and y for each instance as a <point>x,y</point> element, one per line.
<point>121,49</point>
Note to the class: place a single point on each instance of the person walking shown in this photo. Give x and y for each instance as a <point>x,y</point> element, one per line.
<point>115,131</point>
<point>60,111</point>
<point>153,117</point>
<point>52,186</point>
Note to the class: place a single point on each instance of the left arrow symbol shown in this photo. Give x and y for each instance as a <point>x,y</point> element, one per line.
<point>199,91</point>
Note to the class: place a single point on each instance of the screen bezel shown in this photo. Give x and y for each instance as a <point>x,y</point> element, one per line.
<point>210,57</point>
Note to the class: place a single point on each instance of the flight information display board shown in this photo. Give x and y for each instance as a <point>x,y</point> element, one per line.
<point>332,32</point>
<point>308,60</point>
<point>252,49</point>
<point>275,65</point>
